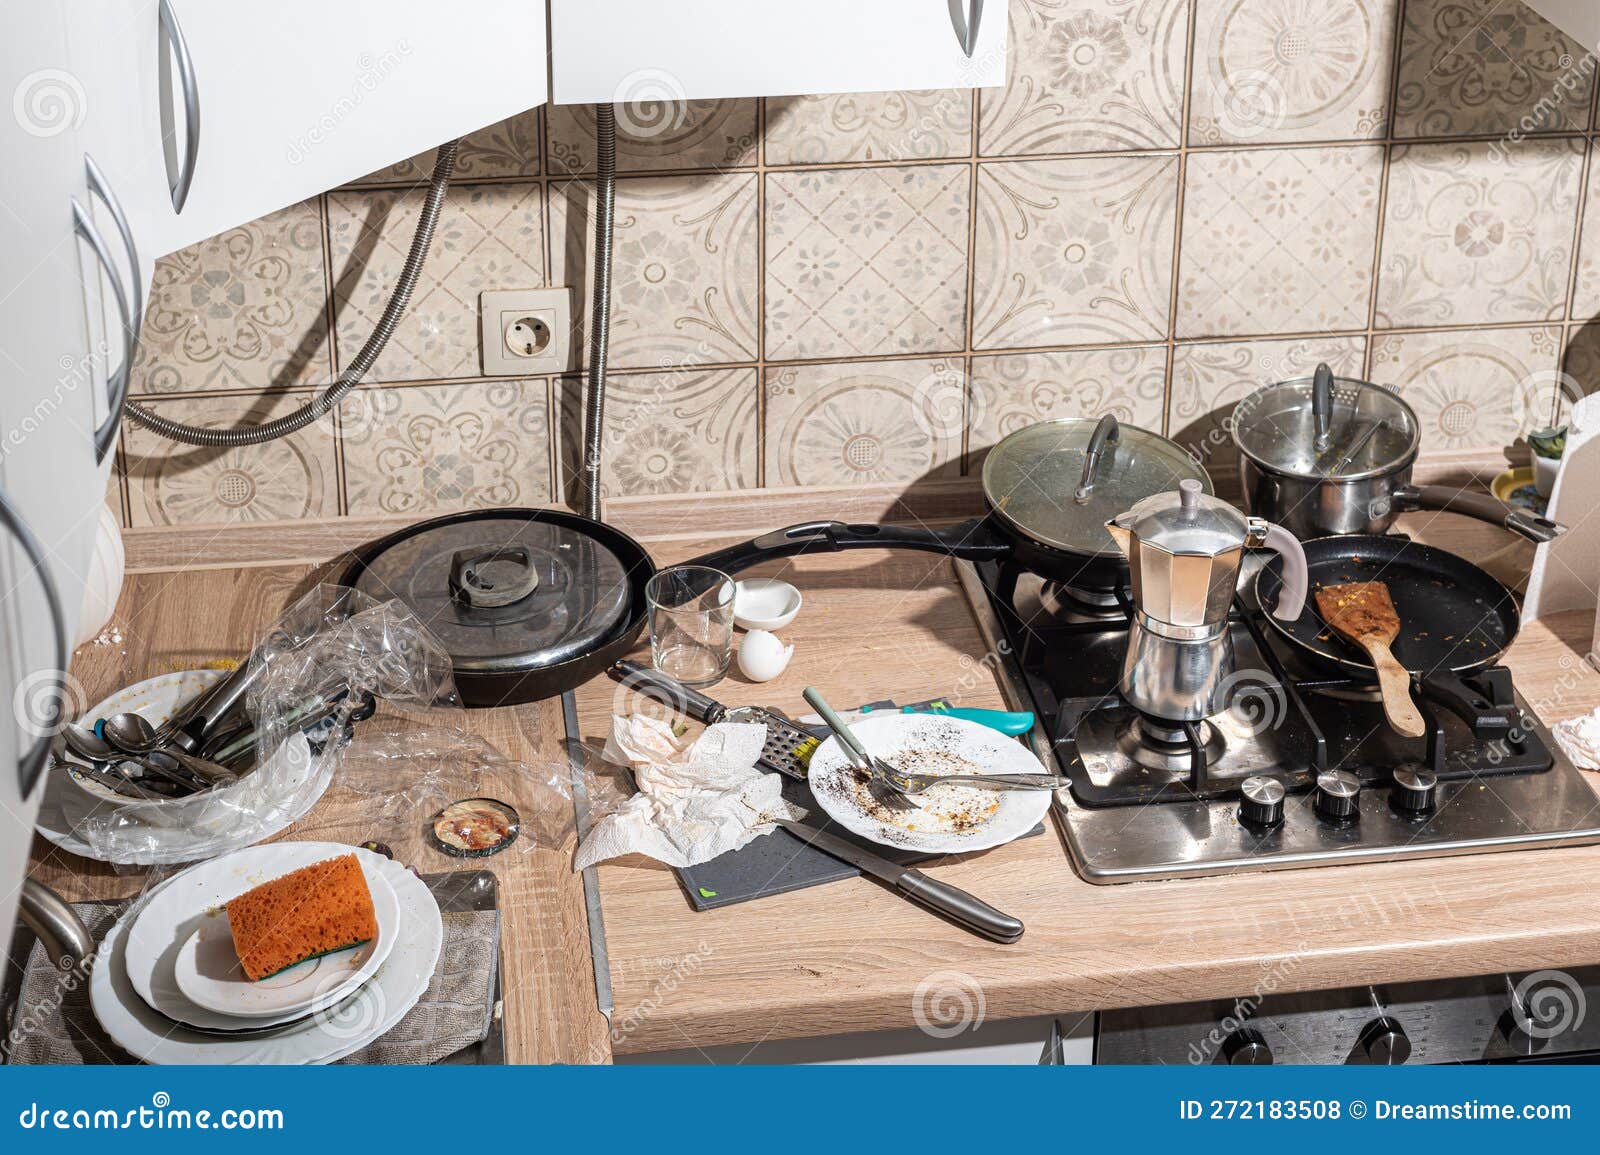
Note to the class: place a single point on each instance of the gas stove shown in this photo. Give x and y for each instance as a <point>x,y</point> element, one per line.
<point>1300,770</point>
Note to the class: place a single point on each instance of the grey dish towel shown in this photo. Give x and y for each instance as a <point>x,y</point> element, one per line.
<point>55,1024</point>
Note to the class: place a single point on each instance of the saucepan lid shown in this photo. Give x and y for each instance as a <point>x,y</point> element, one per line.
<point>505,591</point>
<point>1323,427</point>
<point>1059,482</point>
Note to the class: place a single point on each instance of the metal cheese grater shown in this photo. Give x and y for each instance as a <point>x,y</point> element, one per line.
<point>788,747</point>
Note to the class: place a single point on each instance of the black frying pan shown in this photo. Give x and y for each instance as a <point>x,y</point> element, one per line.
<point>1455,620</point>
<point>513,682</point>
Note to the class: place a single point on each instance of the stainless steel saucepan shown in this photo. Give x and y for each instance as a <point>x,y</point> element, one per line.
<point>1326,455</point>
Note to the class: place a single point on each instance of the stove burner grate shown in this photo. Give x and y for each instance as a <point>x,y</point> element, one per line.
<point>1286,720</point>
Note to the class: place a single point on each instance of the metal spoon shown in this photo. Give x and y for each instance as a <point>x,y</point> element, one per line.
<point>112,780</point>
<point>108,760</point>
<point>130,733</point>
<point>85,743</point>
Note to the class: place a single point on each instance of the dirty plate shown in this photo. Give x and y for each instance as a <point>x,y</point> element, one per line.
<point>208,972</point>
<point>948,819</point>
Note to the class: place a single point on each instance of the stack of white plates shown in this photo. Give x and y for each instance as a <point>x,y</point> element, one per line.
<point>167,987</point>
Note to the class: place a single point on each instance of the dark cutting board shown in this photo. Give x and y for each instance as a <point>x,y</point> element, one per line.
<point>779,862</point>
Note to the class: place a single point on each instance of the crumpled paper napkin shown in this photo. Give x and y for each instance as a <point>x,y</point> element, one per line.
<point>696,800</point>
<point>1579,739</point>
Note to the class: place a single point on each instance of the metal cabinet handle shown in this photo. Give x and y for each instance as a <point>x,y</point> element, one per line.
<point>31,763</point>
<point>106,435</point>
<point>966,25</point>
<point>184,177</point>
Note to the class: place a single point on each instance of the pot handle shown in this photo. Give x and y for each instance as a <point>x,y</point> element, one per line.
<point>970,540</point>
<point>1295,578</point>
<point>1482,506</point>
<point>1107,435</point>
<point>1322,408</point>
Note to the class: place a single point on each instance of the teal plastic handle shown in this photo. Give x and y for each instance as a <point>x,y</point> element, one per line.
<point>1012,724</point>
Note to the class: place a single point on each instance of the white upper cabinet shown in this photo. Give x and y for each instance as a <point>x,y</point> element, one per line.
<point>50,373</point>
<point>1579,19</point>
<point>112,55</point>
<point>299,96</point>
<point>640,50</point>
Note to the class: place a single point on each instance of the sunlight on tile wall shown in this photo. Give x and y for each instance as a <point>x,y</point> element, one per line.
<point>1169,204</point>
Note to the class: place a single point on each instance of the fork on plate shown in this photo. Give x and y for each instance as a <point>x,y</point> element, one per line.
<point>878,772</point>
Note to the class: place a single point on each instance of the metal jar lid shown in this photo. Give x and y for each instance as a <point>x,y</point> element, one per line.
<point>1059,482</point>
<point>504,591</point>
<point>1356,429</point>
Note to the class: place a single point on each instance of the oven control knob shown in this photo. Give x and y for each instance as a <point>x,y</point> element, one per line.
<point>1385,1043</point>
<point>1416,791</point>
<point>1338,795</point>
<point>1245,1047</point>
<point>1262,801</point>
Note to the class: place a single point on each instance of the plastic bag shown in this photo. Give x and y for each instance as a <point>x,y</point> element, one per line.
<point>404,775</point>
<point>323,663</point>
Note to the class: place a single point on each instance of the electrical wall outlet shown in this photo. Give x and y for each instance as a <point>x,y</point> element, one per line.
<point>525,331</point>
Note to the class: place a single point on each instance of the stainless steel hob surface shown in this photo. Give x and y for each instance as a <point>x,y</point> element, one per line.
<point>1287,726</point>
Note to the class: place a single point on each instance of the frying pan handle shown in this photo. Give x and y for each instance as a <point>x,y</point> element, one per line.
<point>1295,577</point>
<point>668,691</point>
<point>1482,506</point>
<point>970,540</point>
<point>1487,720</point>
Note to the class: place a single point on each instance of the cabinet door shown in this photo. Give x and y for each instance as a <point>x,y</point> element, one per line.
<point>1579,19</point>
<point>113,53</point>
<point>48,469</point>
<point>299,96</point>
<point>628,50</point>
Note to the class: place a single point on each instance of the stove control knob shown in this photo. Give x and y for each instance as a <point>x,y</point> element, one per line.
<point>1385,1043</point>
<point>1338,795</point>
<point>1245,1048</point>
<point>1416,791</point>
<point>1262,801</point>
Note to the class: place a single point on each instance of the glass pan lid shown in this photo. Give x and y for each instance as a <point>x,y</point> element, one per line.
<point>1032,479</point>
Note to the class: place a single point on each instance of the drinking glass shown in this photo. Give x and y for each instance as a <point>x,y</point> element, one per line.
<point>691,623</point>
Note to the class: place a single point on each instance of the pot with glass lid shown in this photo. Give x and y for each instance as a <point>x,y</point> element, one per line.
<point>1325,455</point>
<point>1049,489</point>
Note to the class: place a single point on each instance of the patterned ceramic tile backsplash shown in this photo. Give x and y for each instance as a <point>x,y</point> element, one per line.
<point>1169,203</point>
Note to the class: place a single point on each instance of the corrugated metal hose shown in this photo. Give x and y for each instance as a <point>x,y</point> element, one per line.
<point>599,324</point>
<point>605,208</point>
<point>325,402</point>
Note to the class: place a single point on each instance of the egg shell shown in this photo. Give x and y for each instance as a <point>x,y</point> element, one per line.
<point>762,656</point>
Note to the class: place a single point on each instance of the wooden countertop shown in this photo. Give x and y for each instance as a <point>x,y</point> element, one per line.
<point>850,956</point>
<point>178,620</point>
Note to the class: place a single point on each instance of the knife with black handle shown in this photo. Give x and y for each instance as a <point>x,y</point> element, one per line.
<point>970,913</point>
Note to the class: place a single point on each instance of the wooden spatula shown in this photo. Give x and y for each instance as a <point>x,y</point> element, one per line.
<point>1364,612</point>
